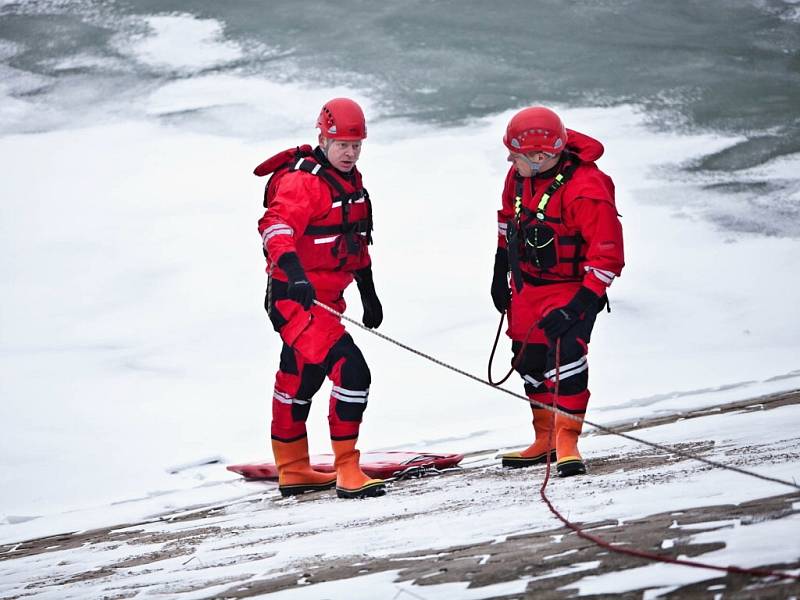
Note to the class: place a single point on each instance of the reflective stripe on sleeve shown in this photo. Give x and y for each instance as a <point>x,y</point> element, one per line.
<point>277,229</point>
<point>606,277</point>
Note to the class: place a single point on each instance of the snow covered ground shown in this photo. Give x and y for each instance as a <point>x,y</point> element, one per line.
<point>485,528</point>
<point>133,339</point>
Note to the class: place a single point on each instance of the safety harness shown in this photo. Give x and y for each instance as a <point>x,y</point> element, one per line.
<point>349,230</point>
<point>531,239</point>
<point>296,159</point>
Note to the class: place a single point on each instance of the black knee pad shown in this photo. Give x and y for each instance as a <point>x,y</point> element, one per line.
<point>300,411</point>
<point>532,363</point>
<point>288,361</point>
<point>574,384</point>
<point>350,411</point>
<point>311,379</point>
<point>355,378</point>
<point>572,348</point>
<point>355,372</point>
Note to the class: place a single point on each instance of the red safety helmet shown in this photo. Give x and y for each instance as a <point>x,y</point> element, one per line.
<point>535,129</point>
<point>342,119</point>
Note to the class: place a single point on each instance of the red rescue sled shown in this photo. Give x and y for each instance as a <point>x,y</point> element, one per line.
<point>380,465</point>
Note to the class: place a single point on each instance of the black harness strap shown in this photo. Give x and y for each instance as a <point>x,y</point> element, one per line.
<point>536,281</point>
<point>347,229</point>
<point>523,217</point>
<point>577,241</point>
<point>360,226</point>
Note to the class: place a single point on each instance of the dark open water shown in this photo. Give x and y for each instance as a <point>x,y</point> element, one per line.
<point>727,66</point>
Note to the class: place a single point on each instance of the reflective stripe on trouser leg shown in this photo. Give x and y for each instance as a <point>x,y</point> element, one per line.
<point>346,412</point>
<point>295,385</point>
<point>530,365</point>
<point>351,379</point>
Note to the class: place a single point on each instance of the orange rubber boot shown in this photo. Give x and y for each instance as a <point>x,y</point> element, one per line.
<point>351,481</point>
<point>536,453</point>
<point>295,475</point>
<point>569,459</point>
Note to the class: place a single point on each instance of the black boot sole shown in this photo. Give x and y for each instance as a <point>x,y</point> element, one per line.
<point>295,490</point>
<point>520,462</point>
<point>570,468</point>
<point>368,491</point>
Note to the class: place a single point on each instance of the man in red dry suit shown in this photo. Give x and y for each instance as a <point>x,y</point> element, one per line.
<point>315,233</point>
<point>560,238</point>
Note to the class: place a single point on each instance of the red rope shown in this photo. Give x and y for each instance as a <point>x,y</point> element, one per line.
<point>632,551</point>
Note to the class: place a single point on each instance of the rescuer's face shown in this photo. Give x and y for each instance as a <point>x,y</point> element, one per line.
<point>342,154</point>
<point>532,163</point>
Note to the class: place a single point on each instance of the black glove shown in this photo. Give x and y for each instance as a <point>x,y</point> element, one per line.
<point>501,293</point>
<point>373,311</point>
<point>300,288</point>
<point>557,322</point>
